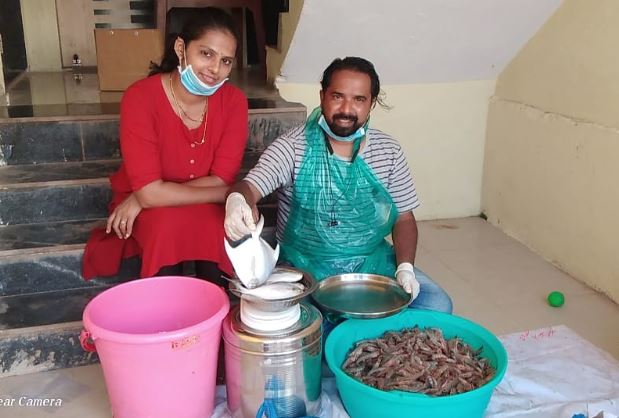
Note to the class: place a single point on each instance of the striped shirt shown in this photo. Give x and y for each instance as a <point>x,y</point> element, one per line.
<point>279,165</point>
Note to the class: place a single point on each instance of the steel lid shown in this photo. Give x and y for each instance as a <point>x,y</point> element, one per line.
<point>305,332</point>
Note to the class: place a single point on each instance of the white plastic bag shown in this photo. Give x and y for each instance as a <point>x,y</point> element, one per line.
<point>253,259</point>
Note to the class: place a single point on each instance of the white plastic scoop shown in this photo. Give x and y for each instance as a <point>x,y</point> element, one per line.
<point>253,259</point>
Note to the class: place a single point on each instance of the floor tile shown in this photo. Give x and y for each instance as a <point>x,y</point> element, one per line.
<point>462,233</point>
<point>80,389</point>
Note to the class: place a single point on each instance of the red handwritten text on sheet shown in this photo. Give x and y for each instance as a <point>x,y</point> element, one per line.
<point>538,334</point>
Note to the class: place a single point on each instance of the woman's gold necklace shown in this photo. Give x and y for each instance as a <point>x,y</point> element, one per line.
<point>183,113</point>
<point>180,108</point>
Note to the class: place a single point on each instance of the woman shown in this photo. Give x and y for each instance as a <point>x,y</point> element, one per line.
<point>182,134</point>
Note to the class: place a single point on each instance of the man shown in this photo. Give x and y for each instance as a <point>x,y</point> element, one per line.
<point>343,187</point>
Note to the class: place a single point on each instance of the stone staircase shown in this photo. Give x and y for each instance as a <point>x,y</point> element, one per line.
<point>53,191</point>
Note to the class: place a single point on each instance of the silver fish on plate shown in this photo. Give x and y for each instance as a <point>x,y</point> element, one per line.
<point>282,290</point>
<point>284,275</point>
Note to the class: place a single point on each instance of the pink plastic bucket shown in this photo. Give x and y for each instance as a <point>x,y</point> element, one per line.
<point>158,340</point>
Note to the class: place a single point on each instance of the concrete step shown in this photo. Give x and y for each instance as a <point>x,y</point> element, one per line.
<point>46,308</point>
<point>68,201</point>
<point>41,348</point>
<point>47,257</point>
<point>37,238</point>
<point>49,174</point>
<point>18,176</point>
<point>54,268</point>
<point>43,297</point>
<point>44,203</point>
<point>37,140</point>
<point>55,192</point>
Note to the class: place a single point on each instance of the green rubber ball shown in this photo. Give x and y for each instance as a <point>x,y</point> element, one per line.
<point>556,299</point>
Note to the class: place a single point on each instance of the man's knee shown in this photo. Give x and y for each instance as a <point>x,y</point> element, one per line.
<point>432,296</point>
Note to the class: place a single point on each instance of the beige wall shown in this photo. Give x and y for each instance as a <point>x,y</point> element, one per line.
<point>287,25</point>
<point>550,171</point>
<point>442,129</point>
<point>41,35</point>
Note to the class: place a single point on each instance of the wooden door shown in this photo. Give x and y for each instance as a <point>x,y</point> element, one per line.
<point>76,26</point>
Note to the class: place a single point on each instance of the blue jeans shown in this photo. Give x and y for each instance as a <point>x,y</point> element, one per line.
<point>431,296</point>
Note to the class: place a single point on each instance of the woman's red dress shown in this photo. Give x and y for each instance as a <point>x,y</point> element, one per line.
<point>155,144</point>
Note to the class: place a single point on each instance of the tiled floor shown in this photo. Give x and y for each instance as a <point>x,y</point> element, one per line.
<point>494,281</point>
<point>58,95</point>
<point>65,87</point>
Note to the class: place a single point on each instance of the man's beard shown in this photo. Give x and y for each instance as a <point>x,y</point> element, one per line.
<point>344,130</point>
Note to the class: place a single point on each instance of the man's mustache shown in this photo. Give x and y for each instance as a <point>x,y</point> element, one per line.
<point>343,116</point>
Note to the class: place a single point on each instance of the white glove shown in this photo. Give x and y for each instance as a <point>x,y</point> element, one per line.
<point>405,276</point>
<point>239,220</point>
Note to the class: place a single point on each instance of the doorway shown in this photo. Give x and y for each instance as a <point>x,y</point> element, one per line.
<point>13,46</point>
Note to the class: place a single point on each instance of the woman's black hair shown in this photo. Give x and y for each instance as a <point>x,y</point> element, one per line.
<point>360,65</point>
<point>205,19</point>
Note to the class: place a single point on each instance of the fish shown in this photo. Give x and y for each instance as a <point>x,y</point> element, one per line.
<point>418,360</point>
<point>284,275</point>
<point>253,259</point>
<point>274,291</point>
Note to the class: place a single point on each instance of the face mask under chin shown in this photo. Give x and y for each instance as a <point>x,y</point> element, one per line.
<point>343,134</point>
<point>192,83</point>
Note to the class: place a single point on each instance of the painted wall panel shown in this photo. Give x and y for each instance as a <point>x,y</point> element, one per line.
<point>550,174</point>
<point>41,35</point>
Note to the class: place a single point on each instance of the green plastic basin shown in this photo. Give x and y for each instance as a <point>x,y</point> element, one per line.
<point>363,401</point>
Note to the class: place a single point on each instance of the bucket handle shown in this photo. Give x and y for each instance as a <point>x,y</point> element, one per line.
<point>87,342</point>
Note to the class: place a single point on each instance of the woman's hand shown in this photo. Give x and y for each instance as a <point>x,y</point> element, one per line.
<point>122,218</point>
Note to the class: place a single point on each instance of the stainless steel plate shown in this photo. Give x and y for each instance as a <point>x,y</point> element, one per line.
<point>358,295</point>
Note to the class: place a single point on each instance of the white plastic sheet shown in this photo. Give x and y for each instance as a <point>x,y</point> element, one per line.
<point>552,373</point>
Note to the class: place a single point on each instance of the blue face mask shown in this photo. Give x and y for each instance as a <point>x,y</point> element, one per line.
<point>193,84</point>
<point>359,133</point>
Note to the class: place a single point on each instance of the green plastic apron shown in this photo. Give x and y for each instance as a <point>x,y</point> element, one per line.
<point>340,214</point>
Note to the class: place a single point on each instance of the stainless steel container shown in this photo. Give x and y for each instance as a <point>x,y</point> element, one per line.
<point>274,369</point>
